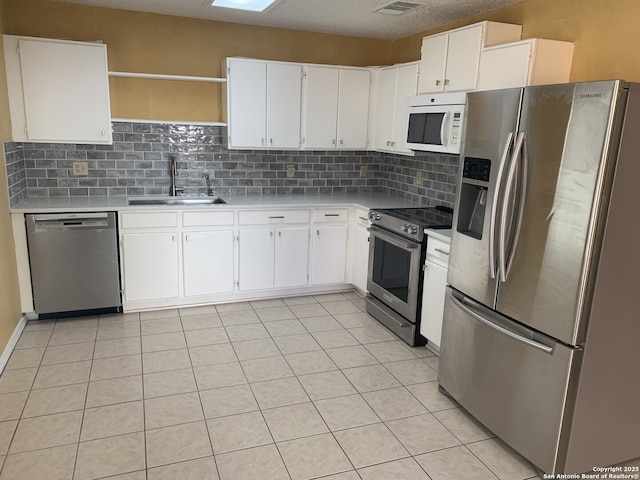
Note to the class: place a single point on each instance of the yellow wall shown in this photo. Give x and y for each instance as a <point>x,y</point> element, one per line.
<point>9,294</point>
<point>605,34</point>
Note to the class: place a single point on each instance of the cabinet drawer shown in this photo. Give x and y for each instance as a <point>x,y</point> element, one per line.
<point>326,215</point>
<point>207,219</point>
<point>149,220</point>
<point>272,217</point>
<point>438,250</point>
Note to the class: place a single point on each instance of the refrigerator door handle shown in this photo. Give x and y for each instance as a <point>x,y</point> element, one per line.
<point>522,193</point>
<point>468,309</point>
<point>494,208</point>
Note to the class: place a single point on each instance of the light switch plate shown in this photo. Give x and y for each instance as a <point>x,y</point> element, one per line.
<point>418,177</point>
<point>363,171</point>
<point>80,169</point>
<point>291,170</point>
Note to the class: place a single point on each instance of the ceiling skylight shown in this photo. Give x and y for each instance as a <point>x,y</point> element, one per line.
<point>251,5</point>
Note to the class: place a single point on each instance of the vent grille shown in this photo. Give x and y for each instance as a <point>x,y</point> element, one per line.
<point>397,8</point>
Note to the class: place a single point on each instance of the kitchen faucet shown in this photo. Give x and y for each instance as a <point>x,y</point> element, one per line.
<point>174,191</point>
<point>210,190</point>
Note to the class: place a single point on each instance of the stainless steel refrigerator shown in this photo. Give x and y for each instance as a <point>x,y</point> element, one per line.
<point>541,329</point>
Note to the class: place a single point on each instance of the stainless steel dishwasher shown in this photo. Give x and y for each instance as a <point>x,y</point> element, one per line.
<point>74,262</point>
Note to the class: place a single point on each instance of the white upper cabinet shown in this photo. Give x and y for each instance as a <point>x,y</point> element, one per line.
<point>335,107</point>
<point>58,90</point>
<point>529,62</point>
<point>263,104</point>
<point>450,60</point>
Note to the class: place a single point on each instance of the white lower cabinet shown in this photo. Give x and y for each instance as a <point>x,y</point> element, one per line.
<point>434,290</point>
<point>207,259</point>
<point>329,254</point>
<point>360,257</point>
<point>291,267</point>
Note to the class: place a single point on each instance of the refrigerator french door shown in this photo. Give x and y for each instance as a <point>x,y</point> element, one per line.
<point>537,171</point>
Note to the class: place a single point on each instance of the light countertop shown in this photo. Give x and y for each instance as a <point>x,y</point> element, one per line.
<point>444,234</point>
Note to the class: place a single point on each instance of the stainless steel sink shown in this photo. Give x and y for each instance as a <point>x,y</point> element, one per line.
<point>176,201</point>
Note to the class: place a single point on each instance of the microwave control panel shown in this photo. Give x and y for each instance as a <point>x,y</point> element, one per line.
<point>455,129</point>
<point>476,169</point>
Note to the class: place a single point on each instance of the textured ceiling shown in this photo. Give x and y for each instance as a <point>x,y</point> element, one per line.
<point>341,17</point>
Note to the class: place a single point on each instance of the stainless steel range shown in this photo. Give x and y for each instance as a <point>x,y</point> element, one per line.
<point>397,247</point>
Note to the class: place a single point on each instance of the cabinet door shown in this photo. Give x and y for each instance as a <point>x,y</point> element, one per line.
<point>66,91</point>
<point>353,109</point>
<point>463,59</point>
<point>150,266</point>
<point>284,85</point>
<point>433,294</point>
<point>360,265</point>
<point>406,86</point>
<point>433,63</point>
<point>329,254</point>
<point>385,108</point>
<point>207,262</point>
<point>505,67</point>
<point>256,259</point>
<point>320,107</point>
<point>247,103</point>
<point>291,257</point>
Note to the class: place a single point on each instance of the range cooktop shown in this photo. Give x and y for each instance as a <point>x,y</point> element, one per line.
<point>427,217</point>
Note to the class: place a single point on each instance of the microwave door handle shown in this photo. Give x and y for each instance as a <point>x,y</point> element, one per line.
<point>494,208</point>
<point>444,129</point>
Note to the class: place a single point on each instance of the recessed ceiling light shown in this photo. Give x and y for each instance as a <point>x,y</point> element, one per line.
<point>251,5</point>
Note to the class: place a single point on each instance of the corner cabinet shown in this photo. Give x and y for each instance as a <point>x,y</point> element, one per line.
<point>262,103</point>
<point>58,90</point>
<point>434,289</point>
<point>360,256</point>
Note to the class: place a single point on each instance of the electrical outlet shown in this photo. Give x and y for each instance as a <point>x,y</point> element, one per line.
<point>418,178</point>
<point>363,171</point>
<point>291,170</point>
<point>80,169</point>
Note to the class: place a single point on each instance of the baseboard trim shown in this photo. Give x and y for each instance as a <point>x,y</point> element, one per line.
<point>11,344</point>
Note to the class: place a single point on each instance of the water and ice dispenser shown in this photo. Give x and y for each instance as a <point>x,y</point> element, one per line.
<point>473,196</point>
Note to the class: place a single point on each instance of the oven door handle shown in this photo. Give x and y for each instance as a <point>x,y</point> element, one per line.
<point>407,245</point>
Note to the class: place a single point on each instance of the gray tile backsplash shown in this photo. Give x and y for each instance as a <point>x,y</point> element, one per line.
<point>137,163</point>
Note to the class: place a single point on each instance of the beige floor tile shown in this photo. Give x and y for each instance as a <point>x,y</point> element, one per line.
<point>212,354</point>
<point>199,322</point>
<point>163,341</point>
<point>199,469</point>
<point>171,382</point>
<point>350,411</point>
<point>371,334</point>
<point>281,328</point>
<point>237,432</point>
<point>172,410</point>
<point>361,304</point>
<point>112,420</point>
<point>7,430</point>
<point>48,431</point>
<point>240,317</point>
<point>330,297</point>
<point>269,368</point>
<point>259,462</point>
<point>17,380</point>
<point>394,403</point>
<point>278,393</point>
<point>370,444</point>
<point>340,307</point>
<point>177,443</point>
<point>326,385</point>
<point>352,475</point>
<point>355,320</point>
<point>73,335</point>
<point>350,357</point>
<point>139,475</point>
<point>411,432</point>
<point>268,315</point>
<point>320,324</point>
<point>353,296</point>
<point>62,374</point>
<point>55,400</point>
<point>228,401</point>
<point>302,300</point>
<point>39,338</point>
<point>433,362</point>
<point>110,456</point>
<point>115,390</point>
<point>410,372</point>
<point>40,325</point>
<point>453,464</point>
<point>390,351</point>
<point>313,457</point>
<point>294,421</point>
<point>119,317</point>
<point>370,378</point>
<point>117,347</point>
<point>405,469</point>
<point>502,459</point>
<point>166,360</point>
<point>206,336</point>
<point>25,358</point>
<point>430,397</point>
<point>268,303</point>
<point>77,322</point>
<point>261,348</point>
<point>232,307</point>
<point>75,352</point>
<point>160,325</point>
<point>49,464</point>
<point>252,331</point>
<point>221,375</point>
<point>121,329</point>
<point>168,313</point>
<point>308,310</point>
<point>201,310</point>
<point>310,362</point>
<point>465,427</point>
<point>423,352</point>
<point>114,367</point>
<point>335,339</point>
<point>297,344</point>
<point>11,405</point>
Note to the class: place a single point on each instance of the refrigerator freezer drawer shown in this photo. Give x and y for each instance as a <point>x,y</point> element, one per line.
<point>500,372</point>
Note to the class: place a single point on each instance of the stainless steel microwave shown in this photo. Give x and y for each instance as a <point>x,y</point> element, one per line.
<point>435,122</point>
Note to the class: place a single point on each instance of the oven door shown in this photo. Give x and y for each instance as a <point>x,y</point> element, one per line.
<point>394,271</point>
